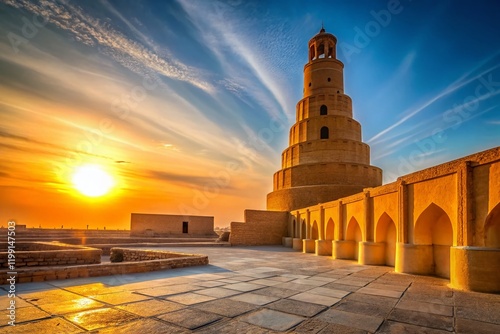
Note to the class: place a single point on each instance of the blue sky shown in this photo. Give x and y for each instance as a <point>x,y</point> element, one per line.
<point>188,103</point>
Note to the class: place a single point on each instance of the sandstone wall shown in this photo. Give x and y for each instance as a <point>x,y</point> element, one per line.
<point>260,228</point>
<point>158,225</point>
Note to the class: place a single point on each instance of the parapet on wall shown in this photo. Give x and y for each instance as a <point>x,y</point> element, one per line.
<point>260,228</point>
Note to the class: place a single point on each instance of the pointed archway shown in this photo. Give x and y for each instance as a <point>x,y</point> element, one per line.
<point>330,230</point>
<point>314,231</point>
<point>433,228</point>
<point>492,228</point>
<point>354,234</point>
<point>386,232</point>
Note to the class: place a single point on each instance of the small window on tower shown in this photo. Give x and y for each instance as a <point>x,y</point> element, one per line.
<point>185,227</point>
<point>324,133</point>
<point>329,79</point>
<point>323,110</point>
<point>309,84</point>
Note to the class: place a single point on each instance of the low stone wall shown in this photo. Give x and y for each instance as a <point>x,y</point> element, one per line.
<point>128,255</point>
<point>40,254</point>
<point>40,274</point>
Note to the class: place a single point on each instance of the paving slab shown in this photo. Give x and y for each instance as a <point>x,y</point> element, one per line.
<point>311,326</point>
<point>118,298</point>
<point>48,326</point>
<point>309,281</point>
<point>210,284</point>
<point>254,298</point>
<point>394,287</point>
<point>281,278</point>
<point>189,318</point>
<point>151,307</point>
<point>380,292</point>
<point>434,299</point>
<point>341,329</point>
<point>25,314</point>
<point>242,278</point>
<point>218,292</point>
<point>422,319</point>
<point>244,287</point>
<point>168,290</point>
<point>329,292</point>
<point>376,310</point>
<point>490,314</point>
<point>69,306</point>
<point>349,319</point>
<point>337,286</point>
<point>5,302</point>
<point>149,326</point>
<point>295,286</point>
<point>391,327</point>
<point>190,298</point>
<point>47,297</point>
<point>297,307</point>
<point>315,299</point>
<point>99,318</point>
<point>371,299</point>
<point>468,326</point>
<point>273,320</point>
<point>353,281</point>
<point>265,281</point>
<point>227,307</point>
<point>93,289</point>
<point>438,309</point>
<point>276,292</point>
<point>232,327</point>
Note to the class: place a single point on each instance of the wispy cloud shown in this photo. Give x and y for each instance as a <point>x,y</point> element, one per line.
<point>220,32</point>
<point>94,32</point>
<point>453,87</point>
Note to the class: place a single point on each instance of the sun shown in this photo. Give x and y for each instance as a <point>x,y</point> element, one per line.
<point>92,180</point>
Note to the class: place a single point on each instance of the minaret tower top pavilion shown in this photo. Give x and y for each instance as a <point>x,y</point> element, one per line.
<point>325,159</point>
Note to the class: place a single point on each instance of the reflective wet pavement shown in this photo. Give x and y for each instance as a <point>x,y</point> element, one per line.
<point>253,290</point>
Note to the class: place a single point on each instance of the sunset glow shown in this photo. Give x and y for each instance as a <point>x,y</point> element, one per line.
<point>92,181</point>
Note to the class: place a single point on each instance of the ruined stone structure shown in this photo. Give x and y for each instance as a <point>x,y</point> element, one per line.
<point>158,225</point>
<point>326,158</point>
<point>442,221</point>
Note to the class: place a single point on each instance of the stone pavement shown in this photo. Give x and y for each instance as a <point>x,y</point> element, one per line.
<point>253,290</point>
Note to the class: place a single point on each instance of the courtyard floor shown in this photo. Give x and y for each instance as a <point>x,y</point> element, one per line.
<point>253,290</point>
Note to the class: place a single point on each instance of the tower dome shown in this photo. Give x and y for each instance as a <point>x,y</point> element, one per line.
<point>326,158</point>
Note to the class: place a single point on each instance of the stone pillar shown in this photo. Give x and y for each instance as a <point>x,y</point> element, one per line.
<point>321,234</point>
<point>324,247</point>
<point>414,259</point>
<point>475,268</point>
<point>297,244</point>
<point>367,216</point>
<point>308,224</point>
<point>340,224</point>
<point>371,253</point>
<point>465,214</point>
<point>288,242</point>
<point>402,229</point>
<point>402,226</point>
<point>342,249</point>
<point>309,246</point>
<point>296,233</point>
